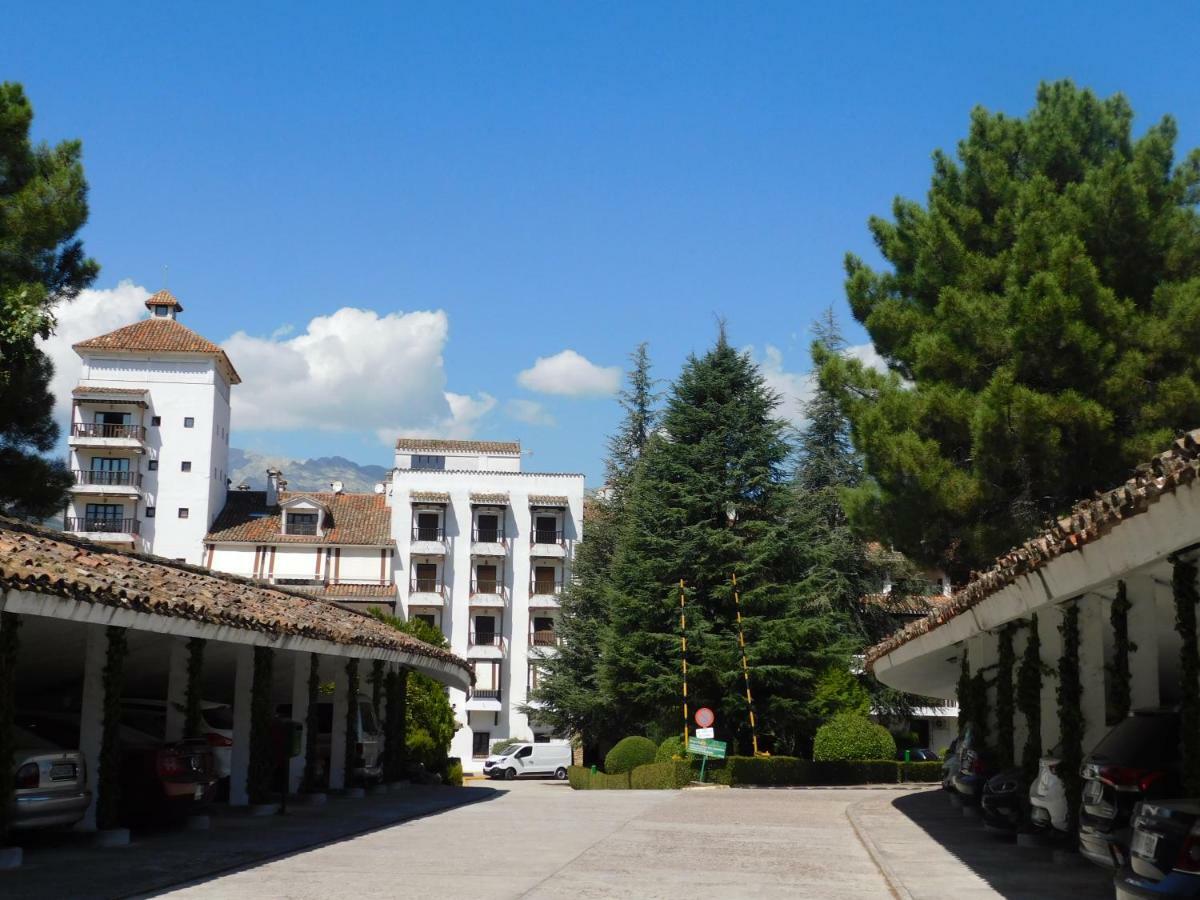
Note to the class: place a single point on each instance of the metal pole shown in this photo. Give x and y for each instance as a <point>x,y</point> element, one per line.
<point>683,645</point>
<point>737,600</point>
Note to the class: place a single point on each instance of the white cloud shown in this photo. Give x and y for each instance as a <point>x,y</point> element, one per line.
<point>530,412</point>
<point>570,374</point>
<point>866,354</point>
<point>797,388</point>
<point>92,313</point>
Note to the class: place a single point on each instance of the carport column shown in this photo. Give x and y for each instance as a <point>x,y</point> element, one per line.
<point>1049,618</point>
<point>91,714</point>
<point>337,739</point>
<point>1093,619</point>
<point>1142,593</point>
<point>239,765</point>
<point>177,678</point>
<point>300,664</point>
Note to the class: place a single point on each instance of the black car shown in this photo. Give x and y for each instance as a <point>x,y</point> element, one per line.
<point>1137,760</point>
<point>974,767</point>
<point>1005,800</point>
<point>1164,855</point>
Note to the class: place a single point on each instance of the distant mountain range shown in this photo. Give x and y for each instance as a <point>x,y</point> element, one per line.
<point>303,474</point>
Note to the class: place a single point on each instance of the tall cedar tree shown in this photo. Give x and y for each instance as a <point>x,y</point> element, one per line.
<point>1039,319</point>
<point>719,445</point>
<point>43,204</point>
<point>569,690</point>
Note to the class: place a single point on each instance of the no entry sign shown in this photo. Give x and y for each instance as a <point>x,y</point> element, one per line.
<point>705,717</point>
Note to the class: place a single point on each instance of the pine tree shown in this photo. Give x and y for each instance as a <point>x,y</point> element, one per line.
<point>1039,318</point>
<point>720,449</point>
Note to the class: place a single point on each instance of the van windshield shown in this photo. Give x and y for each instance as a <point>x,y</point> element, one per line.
<point>509,751</point>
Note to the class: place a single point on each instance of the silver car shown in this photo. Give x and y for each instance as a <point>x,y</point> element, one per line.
<point>1048,797</point>
<point>50,777</point>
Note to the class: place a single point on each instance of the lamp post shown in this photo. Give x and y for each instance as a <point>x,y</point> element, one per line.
<point>731,514</point>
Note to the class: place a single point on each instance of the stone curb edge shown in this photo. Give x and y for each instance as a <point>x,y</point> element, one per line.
<point>895,885</point>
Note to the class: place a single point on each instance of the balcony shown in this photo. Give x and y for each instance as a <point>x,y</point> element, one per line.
<point>545,594</point>
<point>426,592</point>
<point>544,542</point>
<point>93,481</point>
<point>488,542</point>
<point>488,592</point>
<point>485,645</point>
<point>545,638</point>
<point>428,541</point>
<point>104,529</point>
<point>95,434</point>
<point>484,700</point>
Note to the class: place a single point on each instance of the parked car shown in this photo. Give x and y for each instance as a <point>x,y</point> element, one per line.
<point>1137,760</point>
<point>950,766</point>
<point>530,759</point>
<point>368,739</point>
<point>1164,854</point>
<point>216,720</point>
<point>49,773</point>
<point>1005,800</point>
<point>917,754</point>
<point>1048,809</point>
<point>974,766</point>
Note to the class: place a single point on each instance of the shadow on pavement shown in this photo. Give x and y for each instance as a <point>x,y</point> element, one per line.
<point>1012,871</point>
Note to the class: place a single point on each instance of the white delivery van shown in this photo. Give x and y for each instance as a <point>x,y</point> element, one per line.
<point>549,759</point>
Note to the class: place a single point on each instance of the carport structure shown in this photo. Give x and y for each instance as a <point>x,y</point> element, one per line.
<point>1137,544</point>
<point>69,594</point>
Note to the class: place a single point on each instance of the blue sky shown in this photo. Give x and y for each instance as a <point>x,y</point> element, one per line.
<point>537,177</point>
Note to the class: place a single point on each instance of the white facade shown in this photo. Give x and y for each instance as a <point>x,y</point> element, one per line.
<point>483,551</point>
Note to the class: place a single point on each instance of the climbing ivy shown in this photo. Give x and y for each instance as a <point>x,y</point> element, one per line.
<point>1070,714</point>
<point>262,763</point>
<point>963,690</point>
<point>311,781</point>
<point>1029,698</point>
<point>979,708</point>
<point>395,728</point>
<point>1183,582</point>
<point>1120,696</point>
<point>10,640</point>
<point>351,720</point>
<point>108,778</point>
<point>377,685</point>
<point>192,723</point>
<point>1004,697</point>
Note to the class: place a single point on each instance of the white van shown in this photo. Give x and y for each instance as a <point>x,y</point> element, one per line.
<point>530,759</point>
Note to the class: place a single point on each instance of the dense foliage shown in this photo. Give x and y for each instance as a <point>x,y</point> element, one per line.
<point>849,736</point>
<point>262,761</point>
<point>670,748</point>
<point>629,753</point>
<point>1039,316</point>
<point>350,759</point>
<point>1120,696</point>
<point>1005,699</point>
<point>1070,713</point>
<point>108,777</point>
<point>310,781</point>
<point>1029,698</point>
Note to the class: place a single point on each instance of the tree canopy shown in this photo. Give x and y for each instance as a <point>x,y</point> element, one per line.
<point>1039,316</point>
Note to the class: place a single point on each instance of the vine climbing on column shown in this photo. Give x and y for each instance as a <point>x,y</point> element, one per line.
<point>1183,584</point>
<point>192,724</point>
<point>1120,693</point>
<point>108,778</point>
<point>311,780</point>
<point>1070,713</point>
<point>258,779</point>
<point>10,624</point>
<point>1029,698</point>
<point>1006,660</point>
<point>351,720</point>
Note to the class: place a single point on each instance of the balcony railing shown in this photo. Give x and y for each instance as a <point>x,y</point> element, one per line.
<point>104,477</point>
<point>486,639</point>
<point>485,694</point>
<point>427,586</point>
<point>545,588</point>
<point>544,638</point>
<point>488,535</point>
<point>98,430</point>
<point>546,536</point>
<point>102,524</point>
<point>305,528</point>
<point>487,586</point>
<point>428,533</point>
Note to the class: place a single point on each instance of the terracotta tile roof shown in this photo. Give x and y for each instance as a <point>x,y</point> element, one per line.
<point>429,496</point>
<point>348,591</point>
<point>547,500</point>
<point>356,519</point>
<point>1089,521</point>
<point>906,604</point>
<point>163,298</point>
<point>52,563</point>
<point>512,447</point>
<point>115,391</point>
<point>497,497</point>
<point>157,335</point>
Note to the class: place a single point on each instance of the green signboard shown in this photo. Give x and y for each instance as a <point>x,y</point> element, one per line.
<point>706,748</point>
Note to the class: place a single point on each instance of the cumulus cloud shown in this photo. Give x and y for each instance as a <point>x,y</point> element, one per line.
<point>796,388</point>
<point>91,313</point>
<point>530,412</point>
<point>571,375</point>
<point>866,354</point>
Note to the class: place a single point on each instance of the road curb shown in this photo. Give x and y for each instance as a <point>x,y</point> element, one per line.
<point>895,885</point>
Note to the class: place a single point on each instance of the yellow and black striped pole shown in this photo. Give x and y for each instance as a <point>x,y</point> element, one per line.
<point>683,646</point>
<point>737,600</point>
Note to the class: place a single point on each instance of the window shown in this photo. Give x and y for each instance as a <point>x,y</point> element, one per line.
<point>426,580</point>
<point>544,580</point>
<point>480,742</point>
<point>301,523</point>
<point>428,526</point>
<point>542,632</point>
<point>420,461</point>
<point>156,421</point>
<point>487,529</point>
<point>183,512</point>
<point>149,512</point>
<point>152,465</point>
<point>524,753</point>
<point>189,422</point>
<point>103,517</point>
<point>427,618</point>
<point>546,530</point>
<point>185,466</point>
<point>485,631</point>
<point>113,418</point>
<point>486,581</point>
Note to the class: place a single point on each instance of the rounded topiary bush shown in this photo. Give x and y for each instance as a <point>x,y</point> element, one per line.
<point>629,753</point>
<point>671,748</point>
<point>851,736</point>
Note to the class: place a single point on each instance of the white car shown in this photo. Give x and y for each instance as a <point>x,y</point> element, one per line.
<point>1048,796</point>
<point>546,759</point>
<point>216,724</point>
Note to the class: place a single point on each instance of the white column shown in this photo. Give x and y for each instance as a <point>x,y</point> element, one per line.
<point>1049,618</point>
<point>1093,619</point>
<point>300,664</point>
<point>1142,591</point>
<point>177,661</point>
<point>91,717</point>
<point>239,765</point>
<point>337,739</point>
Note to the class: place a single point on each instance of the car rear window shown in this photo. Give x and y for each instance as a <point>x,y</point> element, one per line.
<point>219,717</point>
<point>367,713</point>
<point>1141,740</point>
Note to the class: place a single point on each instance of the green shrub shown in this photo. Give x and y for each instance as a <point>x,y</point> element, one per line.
<point>661,776</point>
<point>765,770</point>
<point>671,748</point>
<point>629,753</point>
<point>454,772</point>
<point>579,777</point>
<point>604,781</point>
<point>921,771</point>
<point>849,736</point>
<point>855,771</point>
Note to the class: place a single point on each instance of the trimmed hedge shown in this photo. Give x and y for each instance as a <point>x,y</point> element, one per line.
<point>671,748</point>
<point>581,778</point>
<point>849,736</point>
<point>628,754</point>
<point>763,770</point>
<point>661,776</point>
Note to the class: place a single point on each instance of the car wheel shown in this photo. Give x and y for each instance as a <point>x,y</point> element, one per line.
<point>510,774</point>
<point>560,773</point>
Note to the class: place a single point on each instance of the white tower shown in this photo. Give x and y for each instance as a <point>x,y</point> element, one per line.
<point>149,435</point>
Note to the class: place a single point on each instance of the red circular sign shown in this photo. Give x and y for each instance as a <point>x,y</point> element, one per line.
<point>705,717</point>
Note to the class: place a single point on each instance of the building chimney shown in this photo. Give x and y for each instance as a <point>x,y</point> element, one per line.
<point>337,487</point>
<point>243,486</point>
<point>274,479</point>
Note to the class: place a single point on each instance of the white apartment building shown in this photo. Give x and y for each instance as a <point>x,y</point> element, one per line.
<point>149,435</point>
<point>483,551</point>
